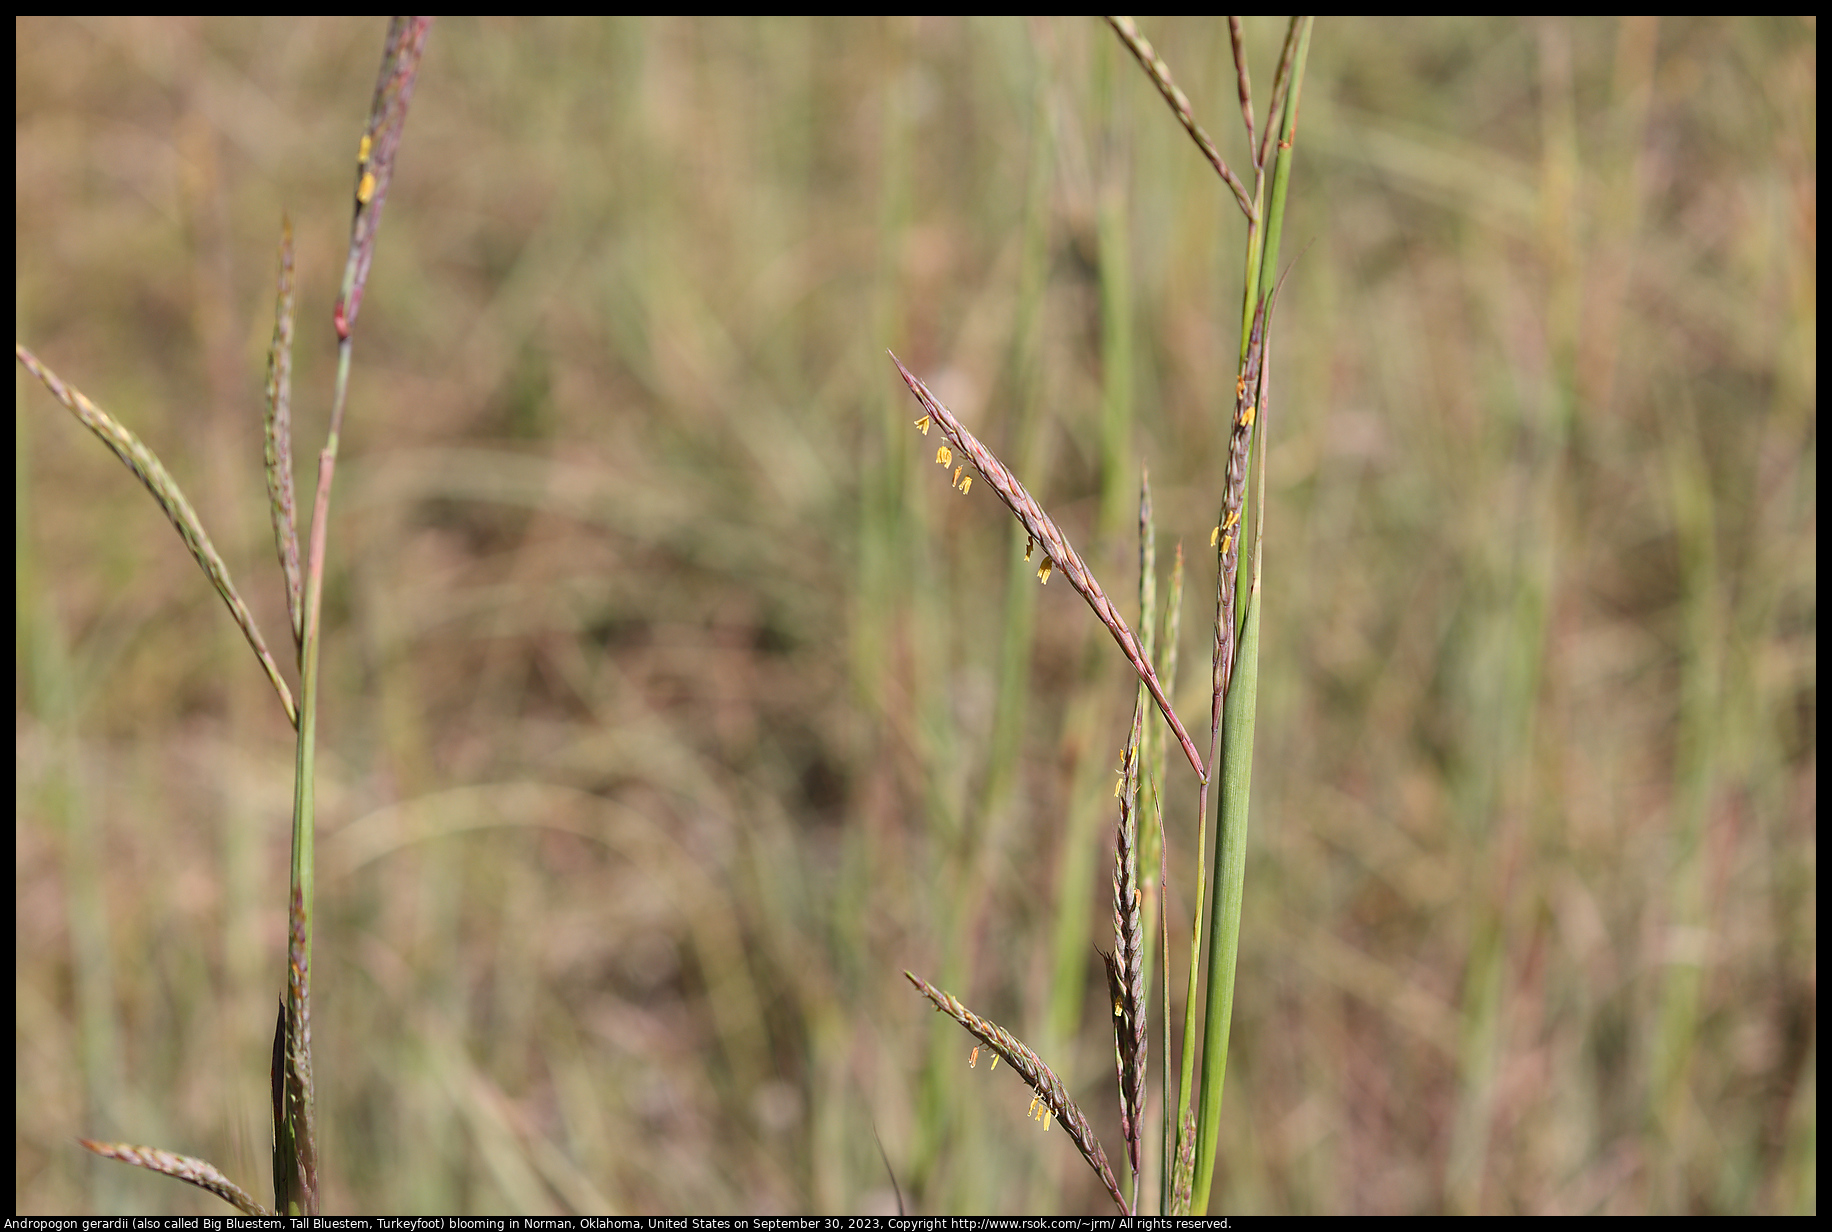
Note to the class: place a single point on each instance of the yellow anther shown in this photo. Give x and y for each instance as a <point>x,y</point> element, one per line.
<point>965,484</point>
<point>1215,536</point>
<point>1232,518</point>
<point>362,151</point>
<point>1043,570</point>
<point>1227,544</point>
<point>1029,543</point>
<point>973,1061</point>
<point>995,1063</point>
<point>956,481</point>
<point>365,188</point>
<point>943,456</point>
<point>1246,418</point>
<point>922,425</point>
<point>1119,786</point>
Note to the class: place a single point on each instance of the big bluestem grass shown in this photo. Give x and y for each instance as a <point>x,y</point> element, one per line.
<point>1186,1175</point>
<point>671,710</point>
<point>295,1137</point>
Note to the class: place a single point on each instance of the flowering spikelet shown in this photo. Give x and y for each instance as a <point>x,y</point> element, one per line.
<point>295,1130</point>
<point>1228,547</point>
<point>1051,1095</point>
<point>1126,965</point>
<point>1183,1173</point>
<point>1044,531</point>
<point>152,474</point>
<point>1247,392</point>
<point>198,1172</point>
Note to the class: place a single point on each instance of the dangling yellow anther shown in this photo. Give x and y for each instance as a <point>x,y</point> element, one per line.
<point>1232,518</point>
<point>973,1061</point>
<point>943,456</point>
<point>1030,1113</point>
<point>1215,536</point>
<point>965,484</point>
<point>365,189</point>
<point>995,1063</point>
<point>922,425</point>
<point>1043,570</point>
<point>1246,418</point>
<point>1227,544</point>
<point>956,481</point>
<point>1119,786</point>
<point>362,150</point>
<point>1029,543</point>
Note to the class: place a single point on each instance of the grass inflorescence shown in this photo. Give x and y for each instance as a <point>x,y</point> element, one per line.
<point>295,1137</point>
<point>1186,1172</point>
<point>671,707</point>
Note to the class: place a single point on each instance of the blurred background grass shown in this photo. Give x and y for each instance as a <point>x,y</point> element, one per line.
<point>673,704</point>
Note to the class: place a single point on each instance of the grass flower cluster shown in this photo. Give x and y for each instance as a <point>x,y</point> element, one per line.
<point>672,701</point>
<point>1190,1136</point>
<point>295,1137</point>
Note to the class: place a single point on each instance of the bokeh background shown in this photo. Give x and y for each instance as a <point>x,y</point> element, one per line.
<point>674,705</point>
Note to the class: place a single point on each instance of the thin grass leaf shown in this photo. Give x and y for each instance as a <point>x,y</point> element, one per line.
<point>1055,545</point>
<point>278,437</point>
<point>1232,808</point>
<point>1288,76</point>
<point>285,1174</point>
<point>198,1172</point>
<point>1167,1105</point>
<point>1039,1076</point>
<point>147,468</point>
<point>1229,887</point>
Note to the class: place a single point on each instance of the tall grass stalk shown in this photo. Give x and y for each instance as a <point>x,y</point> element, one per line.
<point>295,1143</point>
<point>1190,1136</point>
